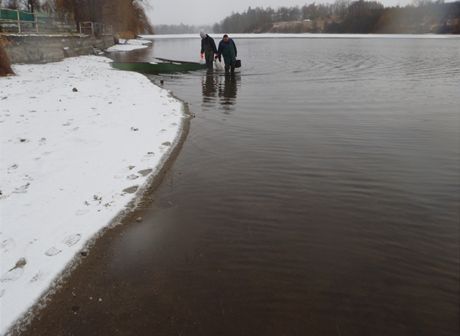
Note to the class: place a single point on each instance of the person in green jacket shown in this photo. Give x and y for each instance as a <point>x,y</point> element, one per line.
<point>227,48</point>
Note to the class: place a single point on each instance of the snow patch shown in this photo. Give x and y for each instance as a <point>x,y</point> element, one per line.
<point>129,45</point>
<point>67,164</point>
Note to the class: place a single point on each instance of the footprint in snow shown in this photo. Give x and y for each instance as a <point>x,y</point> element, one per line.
<point>131,190</point>
<point>2,292</point>
<point>148,156</point>
<point>51,252</point>
<point>12,167</point>
<point>37,277</point>
<point>22,189</point>
<point>71,240</point>
<point>145,172</point>
<point>132,177</point>
<point>7,245</point>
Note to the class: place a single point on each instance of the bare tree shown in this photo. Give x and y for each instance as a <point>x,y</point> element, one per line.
<point>12,4</point>
<point>32,5</point>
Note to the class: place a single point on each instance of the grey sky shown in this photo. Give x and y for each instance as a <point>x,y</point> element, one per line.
<point>211,11</point>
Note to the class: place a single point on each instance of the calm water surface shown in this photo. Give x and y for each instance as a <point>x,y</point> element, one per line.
<point>317,193</point>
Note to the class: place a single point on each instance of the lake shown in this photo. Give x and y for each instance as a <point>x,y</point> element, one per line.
<point>317,193</point>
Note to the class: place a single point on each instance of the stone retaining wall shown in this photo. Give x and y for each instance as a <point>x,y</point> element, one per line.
<point>43,49</point>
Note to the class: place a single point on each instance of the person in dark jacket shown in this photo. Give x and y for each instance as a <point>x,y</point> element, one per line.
<point>208,49</point>
<point>227,48</point>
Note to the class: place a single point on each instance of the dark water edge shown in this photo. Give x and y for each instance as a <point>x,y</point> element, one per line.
<point>317,193</point>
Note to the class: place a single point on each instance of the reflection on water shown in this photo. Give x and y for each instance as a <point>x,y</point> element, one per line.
<point>319,198</point>
<point>220,88</point>
<point>210,84</point>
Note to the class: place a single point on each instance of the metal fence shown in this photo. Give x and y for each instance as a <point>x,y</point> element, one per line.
<point>17,21</point>
<point>94,28</point>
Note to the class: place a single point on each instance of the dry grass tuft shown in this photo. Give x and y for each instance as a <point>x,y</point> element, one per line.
<point>5,66</point>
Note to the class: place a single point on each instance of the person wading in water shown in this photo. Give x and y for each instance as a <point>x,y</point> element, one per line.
<point>208,49</point>
<point>227,48</point>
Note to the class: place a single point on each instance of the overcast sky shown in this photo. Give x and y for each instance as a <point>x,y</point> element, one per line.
<point>210,11</point>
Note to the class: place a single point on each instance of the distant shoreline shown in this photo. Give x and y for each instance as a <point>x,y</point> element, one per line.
<point>303,35</point>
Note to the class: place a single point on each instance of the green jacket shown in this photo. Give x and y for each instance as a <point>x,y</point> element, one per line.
<point>228,50</point>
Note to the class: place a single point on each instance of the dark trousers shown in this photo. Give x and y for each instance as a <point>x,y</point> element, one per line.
<point>209,56</point>
<point>230,67</point>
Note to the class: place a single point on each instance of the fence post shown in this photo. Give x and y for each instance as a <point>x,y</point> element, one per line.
<point>79,26</point>
<point>92,28</point>
<point>19,22</point>
<point>36,24</point>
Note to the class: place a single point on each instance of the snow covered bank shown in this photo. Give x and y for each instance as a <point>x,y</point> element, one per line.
<point>129,45</point>
<point>78,139</point>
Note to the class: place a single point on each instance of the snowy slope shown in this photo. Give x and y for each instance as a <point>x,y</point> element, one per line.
<point>70,161</point>
<point>130,45</point>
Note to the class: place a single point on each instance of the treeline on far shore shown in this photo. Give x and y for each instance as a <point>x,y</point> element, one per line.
<point>180,29</point>
<point>344,16</point>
